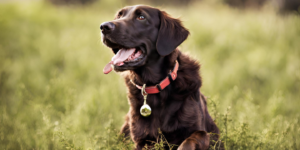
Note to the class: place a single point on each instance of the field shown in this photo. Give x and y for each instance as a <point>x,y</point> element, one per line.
<point>54,95</point>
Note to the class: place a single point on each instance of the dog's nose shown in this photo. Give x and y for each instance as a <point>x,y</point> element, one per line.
<point>107,27</point>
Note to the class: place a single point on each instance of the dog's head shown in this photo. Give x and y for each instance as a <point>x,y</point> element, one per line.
<point>140,34</point>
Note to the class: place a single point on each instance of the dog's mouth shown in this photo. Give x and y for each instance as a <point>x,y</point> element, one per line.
<point>125,58</point>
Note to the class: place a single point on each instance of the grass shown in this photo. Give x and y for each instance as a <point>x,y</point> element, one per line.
<point>53,94</point>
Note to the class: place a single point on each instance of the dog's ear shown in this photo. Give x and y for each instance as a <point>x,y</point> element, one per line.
<point>171,34</point>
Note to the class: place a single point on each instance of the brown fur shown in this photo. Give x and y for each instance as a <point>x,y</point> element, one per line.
<point>179,110</point>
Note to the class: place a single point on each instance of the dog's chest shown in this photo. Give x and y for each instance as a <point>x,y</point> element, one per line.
<point>167,116</point>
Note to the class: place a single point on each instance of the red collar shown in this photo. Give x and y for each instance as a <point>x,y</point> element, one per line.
<point>163,84</point>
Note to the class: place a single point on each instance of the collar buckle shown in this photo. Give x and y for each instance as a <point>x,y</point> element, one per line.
<point>158,87</point>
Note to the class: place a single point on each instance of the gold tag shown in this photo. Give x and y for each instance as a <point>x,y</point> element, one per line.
<point>145,109</point>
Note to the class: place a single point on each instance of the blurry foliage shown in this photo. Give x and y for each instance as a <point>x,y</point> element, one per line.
<point>71,2</point>
<point>283,6</point>
<point>245,3</point>
<point>162,2</point>
<point>155,2</point>
<point>53,94</point>
<point>289,5</point>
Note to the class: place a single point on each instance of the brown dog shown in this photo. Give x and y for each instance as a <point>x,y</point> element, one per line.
<point>145,40</point>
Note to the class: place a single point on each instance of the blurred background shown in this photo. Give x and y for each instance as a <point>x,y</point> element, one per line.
<point>53,94</point>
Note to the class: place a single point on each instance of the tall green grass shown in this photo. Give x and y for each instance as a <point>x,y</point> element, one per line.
<point>53,94</point>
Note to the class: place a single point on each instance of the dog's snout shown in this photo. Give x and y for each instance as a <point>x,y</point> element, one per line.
<point>107,27</point>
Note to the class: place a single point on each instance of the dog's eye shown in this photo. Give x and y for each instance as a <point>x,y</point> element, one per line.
<point>141,17</point>
<point>119,15</point>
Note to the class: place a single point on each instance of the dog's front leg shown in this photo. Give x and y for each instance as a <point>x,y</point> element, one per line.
<point>139,146</point>
<point>199,140</point>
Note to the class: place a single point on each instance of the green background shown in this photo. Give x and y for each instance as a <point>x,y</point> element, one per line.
<point>54,95</point>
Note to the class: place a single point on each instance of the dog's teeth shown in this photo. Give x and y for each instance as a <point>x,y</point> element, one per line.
<point>137,56</point>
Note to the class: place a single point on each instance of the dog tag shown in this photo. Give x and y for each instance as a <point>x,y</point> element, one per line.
<point>145,109</point>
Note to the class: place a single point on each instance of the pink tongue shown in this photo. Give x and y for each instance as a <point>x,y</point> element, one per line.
<point>118,59</point>
<point>108,68</point>
<point>122,55</point>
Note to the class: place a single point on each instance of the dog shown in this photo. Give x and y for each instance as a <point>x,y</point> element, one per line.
<point>163,83</point>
